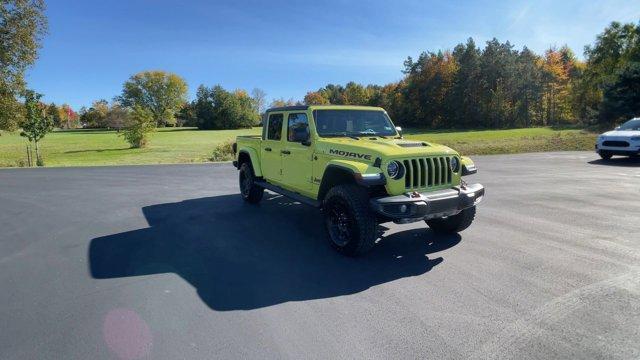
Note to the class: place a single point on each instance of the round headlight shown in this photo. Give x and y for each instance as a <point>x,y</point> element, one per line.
<point>395,170</point>
<point>455,164</point>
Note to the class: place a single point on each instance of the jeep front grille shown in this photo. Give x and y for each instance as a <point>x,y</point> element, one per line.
<point>427,172</point>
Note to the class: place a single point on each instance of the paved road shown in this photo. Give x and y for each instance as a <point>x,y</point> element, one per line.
<point>166,262</point>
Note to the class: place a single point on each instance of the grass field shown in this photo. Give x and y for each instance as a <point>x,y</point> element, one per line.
<point>486,142</point>
<point>100,147</point>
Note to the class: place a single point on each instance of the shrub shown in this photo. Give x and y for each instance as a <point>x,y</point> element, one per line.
<point>223,152</point>
<point>140,124</point>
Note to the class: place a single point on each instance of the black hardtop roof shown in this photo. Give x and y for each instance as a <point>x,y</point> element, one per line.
<point>289,108</point>
<point>306,107</point>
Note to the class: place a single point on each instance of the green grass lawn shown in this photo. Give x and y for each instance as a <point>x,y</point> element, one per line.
<point>485,142</point>
<point>100,147</point>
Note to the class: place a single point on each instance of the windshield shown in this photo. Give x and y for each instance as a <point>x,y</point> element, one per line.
<point>353,123</point>
<point>633,124</point>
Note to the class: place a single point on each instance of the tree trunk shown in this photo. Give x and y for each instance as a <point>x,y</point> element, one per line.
<point>37,153</point>
<point>29,155</point>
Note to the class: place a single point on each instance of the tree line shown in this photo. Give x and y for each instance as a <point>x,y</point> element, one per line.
<point>164,95</point>
<point>499,87</point>
<point>495,86</point>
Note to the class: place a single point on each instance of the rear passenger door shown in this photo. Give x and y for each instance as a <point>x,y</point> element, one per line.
<point>296,153</point>
<point>270,152</point>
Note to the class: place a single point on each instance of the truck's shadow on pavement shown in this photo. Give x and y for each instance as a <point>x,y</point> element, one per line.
<point>241,256</point>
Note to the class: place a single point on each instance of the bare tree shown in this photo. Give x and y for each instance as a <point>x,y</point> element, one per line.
<point>282,102</point>
<point>117,117</point>
<point>259,99</point>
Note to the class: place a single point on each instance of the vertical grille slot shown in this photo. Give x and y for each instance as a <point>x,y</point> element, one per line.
<point>423,172</point>
<point>416,175</point>
<point>408,174</point>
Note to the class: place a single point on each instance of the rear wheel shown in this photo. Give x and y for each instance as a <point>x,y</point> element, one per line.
<point>250,192</point>
<point>350,224</point>
<point>455,223</point>
<point>605,155</point>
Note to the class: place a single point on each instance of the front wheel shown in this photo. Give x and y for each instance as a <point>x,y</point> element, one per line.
<point>455,223</point>
<point>250,192</point>
<point>605,155</point>
<point>351,226</point>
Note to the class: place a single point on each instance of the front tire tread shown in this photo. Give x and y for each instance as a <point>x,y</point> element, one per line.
<point>357,200</point>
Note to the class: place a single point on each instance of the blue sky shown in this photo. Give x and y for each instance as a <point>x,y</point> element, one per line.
<point>286,48</point>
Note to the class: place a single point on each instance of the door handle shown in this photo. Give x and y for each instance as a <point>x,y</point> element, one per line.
<point>286,152</point>
<point>267,149</point>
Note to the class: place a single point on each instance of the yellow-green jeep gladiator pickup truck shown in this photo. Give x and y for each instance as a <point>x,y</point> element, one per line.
<point>352,162</point>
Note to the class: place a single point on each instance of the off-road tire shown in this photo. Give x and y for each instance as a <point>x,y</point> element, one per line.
<point>360,223</point>
<point>453,224</point>
<point>605,155</point>
<point>249,191</point>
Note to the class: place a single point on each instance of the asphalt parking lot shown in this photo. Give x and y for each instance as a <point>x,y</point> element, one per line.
<point>167,262</point>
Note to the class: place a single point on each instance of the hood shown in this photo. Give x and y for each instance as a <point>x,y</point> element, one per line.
<point>622,133</point>
<point>389,147</point>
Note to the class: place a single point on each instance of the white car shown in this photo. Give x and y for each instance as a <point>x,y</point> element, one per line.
<point>624,140</point>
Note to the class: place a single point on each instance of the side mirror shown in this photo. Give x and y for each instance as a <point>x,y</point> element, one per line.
<point>399,130</point>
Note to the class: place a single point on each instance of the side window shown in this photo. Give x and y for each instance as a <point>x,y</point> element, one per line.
<point>298,128</point>
<point>274,129</point>
<point>264,123</point>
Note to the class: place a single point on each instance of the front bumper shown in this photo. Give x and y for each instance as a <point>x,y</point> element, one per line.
<point>429,205</point>
<point>617,146</point>
<point>627,151</point>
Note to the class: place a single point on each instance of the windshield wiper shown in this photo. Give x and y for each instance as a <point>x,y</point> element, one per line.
<point>369,133</point>
<point>341,134</point>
